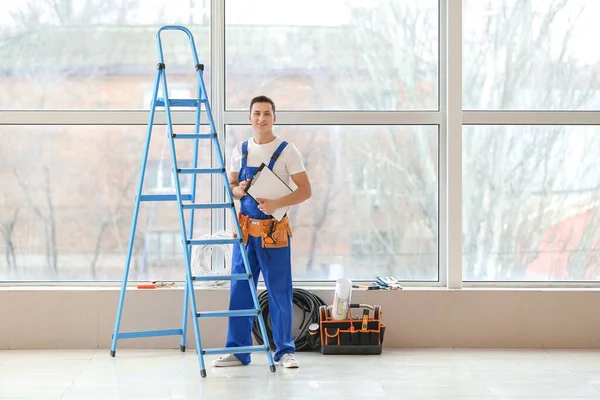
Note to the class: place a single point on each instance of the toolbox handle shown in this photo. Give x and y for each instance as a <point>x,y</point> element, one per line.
<point>356,305</point>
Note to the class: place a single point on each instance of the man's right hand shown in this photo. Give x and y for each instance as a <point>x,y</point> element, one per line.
<point>241,189</point>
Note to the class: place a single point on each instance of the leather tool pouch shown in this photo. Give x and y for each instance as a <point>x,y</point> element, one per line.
<point>243,221</point>
<point>275,239</point>
<point>245,234</point>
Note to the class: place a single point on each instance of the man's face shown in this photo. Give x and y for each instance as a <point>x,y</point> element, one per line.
<point>262,118</point>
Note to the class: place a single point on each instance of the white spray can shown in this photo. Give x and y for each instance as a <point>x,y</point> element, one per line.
<point>341,299</point>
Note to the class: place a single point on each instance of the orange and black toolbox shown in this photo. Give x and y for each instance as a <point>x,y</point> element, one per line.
<point>362,334</point>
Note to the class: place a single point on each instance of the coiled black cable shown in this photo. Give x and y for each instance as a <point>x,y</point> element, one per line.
<point>306,301</point>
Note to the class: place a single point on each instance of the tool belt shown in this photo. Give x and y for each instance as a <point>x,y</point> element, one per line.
<point>274,234</point>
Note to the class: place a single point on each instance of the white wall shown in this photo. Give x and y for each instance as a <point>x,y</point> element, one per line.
<point>71,317</point>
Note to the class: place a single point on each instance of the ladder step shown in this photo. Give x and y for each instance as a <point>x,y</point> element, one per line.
<point>231,313</point>
<point>232,277</point>
<point>160,102</point>
<point>162,332</point>
<point>164,197</point>
<point>200,170</point>
<point>227,350</point>
<point>195,135</point>
<point>204,242</point>
<point>197,206</point>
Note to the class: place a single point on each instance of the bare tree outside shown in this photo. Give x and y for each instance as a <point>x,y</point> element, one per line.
<point>36,158</point>
<point>395,48</point>
<point>395,186</point>
<point>515,179</point>
<point>530,193</point>
<point>74,186</point>
<point>29,208</point>
<point>110,211</point>
<point>326,192</point>
<point>523,186</point>
<point>7,229</point>
<point>72,70</point>
<point>44,208</point>
<point>395,168</point>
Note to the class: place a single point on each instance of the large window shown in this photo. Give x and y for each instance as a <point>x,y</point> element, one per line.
<point>530,186</point>
<point>95,54</point>
<point>531,55</point>
<point>67,201</point>
<point>402,175</point>
<point>374,209</point>
<point>333,55</point>
<point>531,196</point>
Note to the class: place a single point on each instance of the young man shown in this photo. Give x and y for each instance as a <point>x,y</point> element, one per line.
<point>267,241</point>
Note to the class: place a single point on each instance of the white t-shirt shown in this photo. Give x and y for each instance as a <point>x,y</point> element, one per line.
<point>288,163</point>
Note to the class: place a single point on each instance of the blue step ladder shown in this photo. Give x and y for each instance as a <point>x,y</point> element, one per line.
<point>187,202</point>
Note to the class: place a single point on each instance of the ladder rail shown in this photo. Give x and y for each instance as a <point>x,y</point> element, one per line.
<point>191,297</point>
<point>188,247</point>
<point>134,219</point>
<point>221,161</point>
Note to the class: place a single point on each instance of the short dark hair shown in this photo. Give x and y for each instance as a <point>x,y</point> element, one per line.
<point>262,99</point>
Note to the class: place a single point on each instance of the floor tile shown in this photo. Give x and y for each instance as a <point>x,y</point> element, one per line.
<point>409,374</point>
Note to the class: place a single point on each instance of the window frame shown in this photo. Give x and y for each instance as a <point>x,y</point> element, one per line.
<point>450,118</point>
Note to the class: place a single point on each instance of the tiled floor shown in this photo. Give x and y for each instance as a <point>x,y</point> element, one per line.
<point>396,374</point>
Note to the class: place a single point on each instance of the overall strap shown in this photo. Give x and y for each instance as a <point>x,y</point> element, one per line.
<point>277,153</point>
<point>244,154</point>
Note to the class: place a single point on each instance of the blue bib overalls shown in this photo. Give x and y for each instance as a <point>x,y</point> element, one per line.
<point>276,269</point>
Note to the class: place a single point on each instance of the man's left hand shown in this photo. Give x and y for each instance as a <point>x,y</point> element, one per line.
<point>268,207</point>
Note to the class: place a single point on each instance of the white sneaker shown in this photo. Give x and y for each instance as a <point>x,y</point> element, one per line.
<point>288,361</point>
<point>228,360</point>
